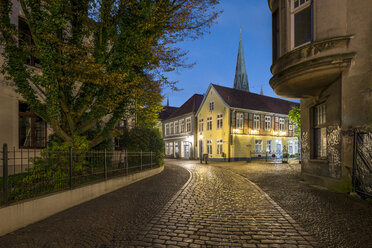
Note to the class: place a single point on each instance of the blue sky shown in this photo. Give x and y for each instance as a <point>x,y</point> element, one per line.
<point>215,54</point>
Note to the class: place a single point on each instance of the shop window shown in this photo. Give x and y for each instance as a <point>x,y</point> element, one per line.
<point>258,146</point>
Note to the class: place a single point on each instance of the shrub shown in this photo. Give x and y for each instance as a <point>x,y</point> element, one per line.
<point>144,139</point>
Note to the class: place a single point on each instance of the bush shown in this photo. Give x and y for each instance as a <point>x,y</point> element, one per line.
<point>51,171</point>
<point>144,139</point>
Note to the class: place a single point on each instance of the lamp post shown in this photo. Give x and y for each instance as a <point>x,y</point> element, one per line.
<point>201,148</point>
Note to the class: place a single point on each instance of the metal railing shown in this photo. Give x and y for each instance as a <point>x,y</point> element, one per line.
<point>30,173</point>
<point>274,156</point>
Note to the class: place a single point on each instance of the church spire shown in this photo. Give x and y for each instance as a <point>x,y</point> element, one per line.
<point>167,101</point>
<point>241,78</point>
<point>261,92</point>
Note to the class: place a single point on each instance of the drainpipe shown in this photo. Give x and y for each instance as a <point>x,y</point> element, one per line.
<point>229,144</point>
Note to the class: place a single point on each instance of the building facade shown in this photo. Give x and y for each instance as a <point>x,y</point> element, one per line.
<point>322,55</point>
<point>179,130</point>
<point>238,125</point>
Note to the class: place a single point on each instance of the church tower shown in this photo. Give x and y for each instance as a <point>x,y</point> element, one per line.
<point>241,78</point>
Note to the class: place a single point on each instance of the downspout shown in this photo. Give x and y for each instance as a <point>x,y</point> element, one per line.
<point>229,144</point>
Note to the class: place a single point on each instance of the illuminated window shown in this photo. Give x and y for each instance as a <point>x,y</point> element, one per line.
<point>239,120</point>
<point>267,123</point>
<point>258,146</point>
<point>256,122</point>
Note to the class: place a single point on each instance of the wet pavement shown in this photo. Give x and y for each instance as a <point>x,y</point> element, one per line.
<point>334,219</point>
<point>193,205</point>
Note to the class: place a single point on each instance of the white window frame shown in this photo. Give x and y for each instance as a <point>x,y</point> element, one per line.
<point>267,123</point>
<point>268,145</point>
<point>188,124</point>
<point>171,127</point>
<point>182,126</point>
<point>176,127</point>
<point>211,105</point>
<point>239,120</point>
<point>290,127</point>
<point>258,144</point>
<point>219,121</point>
<point>201,125</point>
<point>281,124</point>
<point>219,146</point>
<point>166,130</point>
<point>209,147</point>
<point>256,122</point>
<point>209,123</point>
<point>293,12</point>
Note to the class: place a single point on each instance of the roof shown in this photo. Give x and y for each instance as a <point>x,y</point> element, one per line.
<point>190,106</point>
<point>247,100</point>
<point>167,111</point>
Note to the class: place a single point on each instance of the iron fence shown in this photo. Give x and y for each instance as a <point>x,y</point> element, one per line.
<point>30,173</point>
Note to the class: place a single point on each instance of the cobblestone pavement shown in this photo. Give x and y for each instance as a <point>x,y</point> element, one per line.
<point>334,219</point>
<point>111,220</point>
<point>218,207</point>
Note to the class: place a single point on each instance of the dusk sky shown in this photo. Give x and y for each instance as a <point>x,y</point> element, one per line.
<point>215,54</point>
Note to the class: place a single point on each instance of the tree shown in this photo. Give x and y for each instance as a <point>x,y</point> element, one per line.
<point>100,59</point>
<point>294,115</point>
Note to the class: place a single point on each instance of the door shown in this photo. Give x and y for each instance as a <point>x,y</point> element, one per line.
<point>186,147</point>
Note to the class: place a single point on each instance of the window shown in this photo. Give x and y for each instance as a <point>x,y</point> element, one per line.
<point>296,146</point>
<point>267,123</point>
<point>219,146</point>
<point>211,105</point>
<point>320,131</point>
<point>219,121</point>
<point>171,128</point>
<point>258,146</point>
<point>166,148</point>
<point>290,127</point>
<point>301,22</point>
<point>32,129</point>
<point>188,124</point>
<point>268,146</point>
<point>182,124</point>
<point>166,129</point>
<point>239,120</point>
<point>27,43</point>
<point>209,123</point>
<point>209,147</point>
<point>256,122</point>
<point>281,124</point>
<point>176,147</point>
<point>170,148</point>
<point>275,35</point>
<point>176,127</point>
<point>201,125</point>
<point>290,147</point>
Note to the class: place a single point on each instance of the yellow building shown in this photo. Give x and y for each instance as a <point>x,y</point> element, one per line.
<point>238,125</point>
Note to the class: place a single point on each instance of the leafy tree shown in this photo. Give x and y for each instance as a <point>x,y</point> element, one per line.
<point>294,115</point>
<point>100,59</point>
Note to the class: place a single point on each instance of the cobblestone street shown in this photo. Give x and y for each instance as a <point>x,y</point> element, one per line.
<point>211,205</point>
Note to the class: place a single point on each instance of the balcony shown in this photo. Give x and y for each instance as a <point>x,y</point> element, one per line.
<point>307,70</point>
